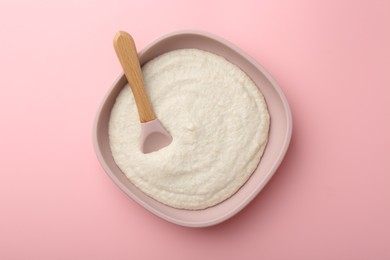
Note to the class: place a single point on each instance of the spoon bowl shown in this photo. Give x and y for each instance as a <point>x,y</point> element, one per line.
<point>154,136</point>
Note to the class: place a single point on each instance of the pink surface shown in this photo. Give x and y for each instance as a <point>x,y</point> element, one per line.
<point>329,200</point>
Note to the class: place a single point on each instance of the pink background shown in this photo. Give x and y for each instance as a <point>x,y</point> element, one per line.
<point>330,198</point>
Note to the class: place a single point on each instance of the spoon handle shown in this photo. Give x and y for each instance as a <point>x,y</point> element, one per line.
<point>127,54</point>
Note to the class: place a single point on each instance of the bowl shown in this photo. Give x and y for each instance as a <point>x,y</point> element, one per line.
<point>279,135</point>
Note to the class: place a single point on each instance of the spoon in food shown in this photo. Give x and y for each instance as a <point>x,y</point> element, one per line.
<point>153,134</point>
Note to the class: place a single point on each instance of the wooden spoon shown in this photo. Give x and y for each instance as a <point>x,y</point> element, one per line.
<point>153,134</point>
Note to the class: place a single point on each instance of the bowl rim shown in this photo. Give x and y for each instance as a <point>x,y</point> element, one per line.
<point>260,186</point>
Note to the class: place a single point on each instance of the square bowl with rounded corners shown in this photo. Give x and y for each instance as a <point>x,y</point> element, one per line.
<point>279,135</point>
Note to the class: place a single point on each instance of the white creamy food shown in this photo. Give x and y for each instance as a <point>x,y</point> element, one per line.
<point>218,120</point>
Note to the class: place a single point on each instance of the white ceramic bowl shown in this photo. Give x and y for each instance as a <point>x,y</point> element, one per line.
<point>279,136</point>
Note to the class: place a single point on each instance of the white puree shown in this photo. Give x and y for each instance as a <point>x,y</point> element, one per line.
<point>218,120</point>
